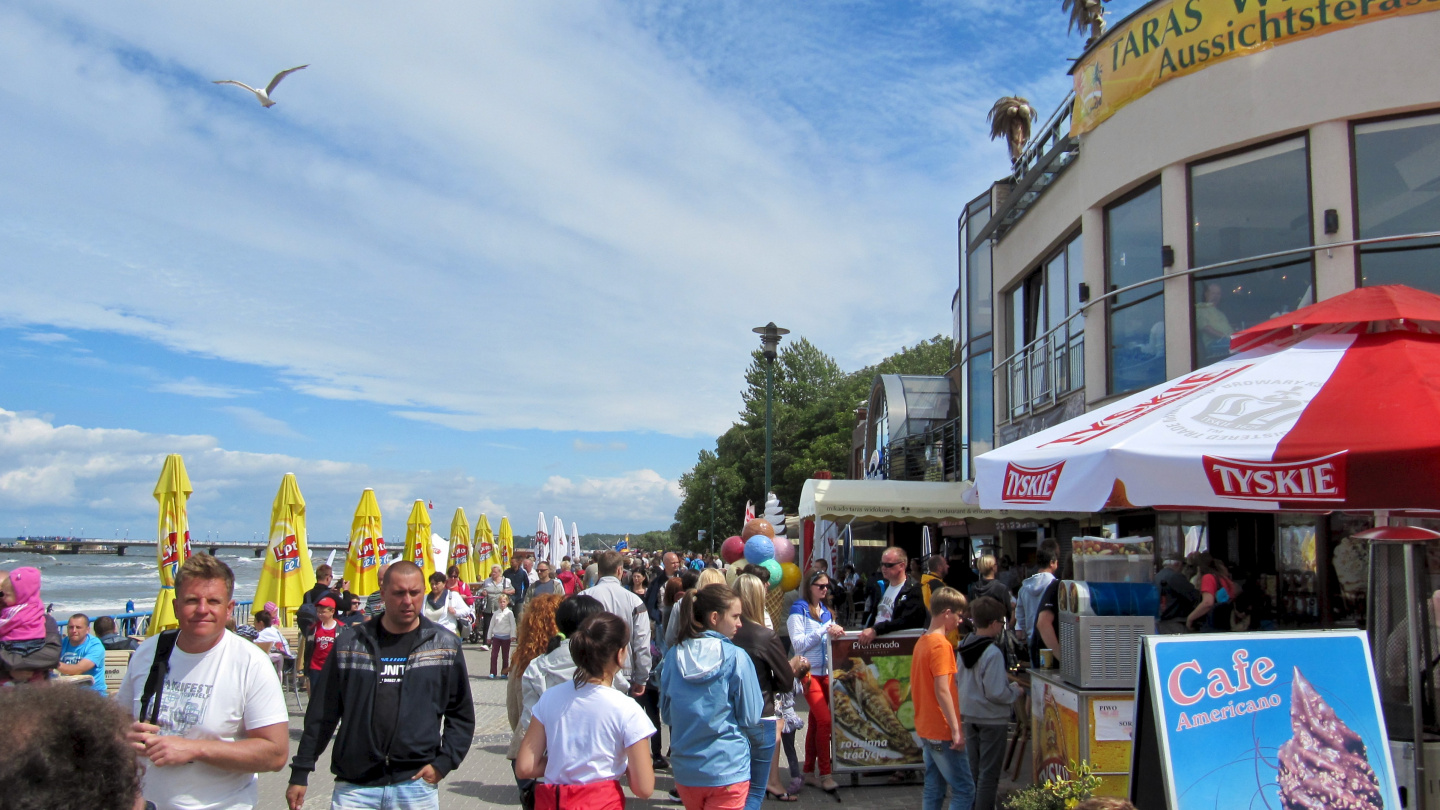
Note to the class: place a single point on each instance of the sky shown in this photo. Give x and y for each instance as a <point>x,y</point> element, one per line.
<point>498,256</point>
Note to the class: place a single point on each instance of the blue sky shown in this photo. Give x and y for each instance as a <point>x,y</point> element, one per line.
<point>504,256</point>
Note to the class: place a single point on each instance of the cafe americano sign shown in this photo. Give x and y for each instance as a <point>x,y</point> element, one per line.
<point>1172,38</point>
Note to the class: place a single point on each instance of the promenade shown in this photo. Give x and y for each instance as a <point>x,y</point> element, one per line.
<point>484,780</point>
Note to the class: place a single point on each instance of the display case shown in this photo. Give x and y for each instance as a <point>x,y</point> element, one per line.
<point>1295,590</point>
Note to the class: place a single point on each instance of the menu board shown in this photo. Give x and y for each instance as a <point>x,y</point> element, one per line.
<point>871,709</point>
<point>1260,720</point>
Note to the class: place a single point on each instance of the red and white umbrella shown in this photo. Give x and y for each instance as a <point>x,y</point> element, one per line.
<point>1334,406</point>
<point>542,541</point>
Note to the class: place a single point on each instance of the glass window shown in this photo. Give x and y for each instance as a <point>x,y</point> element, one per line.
<point>1245,205</point>
<point>1397,185</point>
<point>982,405</point>
<point>1075,269</point>
<point>978,292</point>
<point>1137,318</point>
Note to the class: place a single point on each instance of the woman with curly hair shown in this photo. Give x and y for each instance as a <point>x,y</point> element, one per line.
<point>532,640</point>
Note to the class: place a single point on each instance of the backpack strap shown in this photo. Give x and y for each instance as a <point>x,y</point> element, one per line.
<point>159,668</point>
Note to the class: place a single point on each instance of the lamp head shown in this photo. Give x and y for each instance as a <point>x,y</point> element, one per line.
<point>770,335</point>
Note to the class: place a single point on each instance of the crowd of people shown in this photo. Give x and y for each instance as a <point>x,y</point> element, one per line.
<point>618,667</point>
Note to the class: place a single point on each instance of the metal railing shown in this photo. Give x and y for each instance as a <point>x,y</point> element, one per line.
<point>1005,366</point>
<point>1036,377</point>
<point>938,454</point>
<point>135,623</point>
<point>1049,152</point>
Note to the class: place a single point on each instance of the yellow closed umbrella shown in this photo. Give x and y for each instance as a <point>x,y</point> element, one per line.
<point>487,551</point>
<point>367,547</point>
<point>286,574</point>
<point>417,540</point>
<point>507,542</point>
<point>172,540</point>
<point>461,555</point>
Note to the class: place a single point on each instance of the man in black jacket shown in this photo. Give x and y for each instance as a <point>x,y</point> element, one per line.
<point>394,680</point>
<point>899,601</point>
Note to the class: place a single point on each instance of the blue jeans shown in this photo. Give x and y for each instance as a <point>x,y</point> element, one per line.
<point>415,794</point>
<point>760,757</point>
<point>944,766</point>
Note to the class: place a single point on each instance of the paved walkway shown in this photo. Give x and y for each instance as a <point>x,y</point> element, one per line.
<point>484,779</point>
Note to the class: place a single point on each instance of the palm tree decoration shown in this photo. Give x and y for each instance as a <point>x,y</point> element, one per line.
<point>1011,118</point>
<point>1086,14</point>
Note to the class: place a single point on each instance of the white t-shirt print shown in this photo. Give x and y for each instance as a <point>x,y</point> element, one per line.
<point>214,695</point>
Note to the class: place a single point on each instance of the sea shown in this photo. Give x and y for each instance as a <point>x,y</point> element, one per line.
<point>101,584</point>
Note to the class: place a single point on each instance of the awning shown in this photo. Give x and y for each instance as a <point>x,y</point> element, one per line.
<point>902,501</point>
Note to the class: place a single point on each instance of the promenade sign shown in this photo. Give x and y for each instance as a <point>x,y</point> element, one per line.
<point>1286,719</point>
<point>1172,38</point>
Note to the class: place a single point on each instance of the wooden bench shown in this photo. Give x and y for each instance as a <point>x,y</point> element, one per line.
<point>116,662</point>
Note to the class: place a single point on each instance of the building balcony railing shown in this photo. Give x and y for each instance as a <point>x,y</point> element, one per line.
<point>938,454</point>
<point>1039,375</point>
<point>1046,156</point>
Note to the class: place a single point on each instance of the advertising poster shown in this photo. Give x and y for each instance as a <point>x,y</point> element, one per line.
<point>1055,715</point>
<point>870,706</point>
<point>1266,720</point>
<point>1172,38</point>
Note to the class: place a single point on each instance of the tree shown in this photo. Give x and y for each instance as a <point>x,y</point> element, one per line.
<point>814,416</point>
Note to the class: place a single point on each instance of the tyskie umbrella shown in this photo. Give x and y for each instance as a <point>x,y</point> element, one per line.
<point>487,551</point>
<point>417,540</point>
<point>574,543</point>
<point>172,539</point>
<point>559,545</point>
<point>542,540</point>
<point>286,574</point>
<point>461,554</point>
<point>1333,407</point>
<point>367,546</point>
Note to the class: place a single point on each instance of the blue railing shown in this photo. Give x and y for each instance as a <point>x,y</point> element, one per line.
<point>137,622</point>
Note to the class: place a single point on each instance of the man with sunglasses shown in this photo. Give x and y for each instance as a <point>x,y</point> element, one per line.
<point>899,602</point>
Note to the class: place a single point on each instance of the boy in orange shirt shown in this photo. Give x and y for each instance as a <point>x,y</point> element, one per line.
<point>937,706</point>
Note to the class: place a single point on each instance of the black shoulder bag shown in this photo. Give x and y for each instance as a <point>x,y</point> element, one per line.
<point>159,668</point>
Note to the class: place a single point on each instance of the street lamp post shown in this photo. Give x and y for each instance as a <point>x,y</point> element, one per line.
<point>712,514</point>
<point>770,335</point>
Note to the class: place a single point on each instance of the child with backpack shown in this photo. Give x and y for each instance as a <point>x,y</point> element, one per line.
<point>986,695</point>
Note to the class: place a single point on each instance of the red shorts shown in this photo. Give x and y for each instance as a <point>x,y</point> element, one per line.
<point>724,797</point>
<point>605,795</point>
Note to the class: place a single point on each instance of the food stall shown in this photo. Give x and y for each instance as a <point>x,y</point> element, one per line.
<point>1323,416</point>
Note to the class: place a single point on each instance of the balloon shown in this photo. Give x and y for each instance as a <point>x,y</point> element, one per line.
<point>774,569</point>
<point>759,549</point>
<point>784,551</point>
<point>758,526</point>
<point>789,576</point>
<point>732,549</point>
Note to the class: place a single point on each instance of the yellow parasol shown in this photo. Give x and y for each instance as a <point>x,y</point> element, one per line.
<point>286,574</point>
<point>417,540</point>
<point>487,550</point>
<point>507,543</point>
<point>172,539</point>
<point>461,554</point>
<point>367,547</point>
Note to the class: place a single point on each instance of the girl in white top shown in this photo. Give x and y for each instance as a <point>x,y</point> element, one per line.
<point>584,734</point>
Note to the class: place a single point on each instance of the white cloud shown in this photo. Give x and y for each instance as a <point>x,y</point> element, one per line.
<point>582,446</point>
<point>56,476</point>
<point>511,216</point>
<point>47,337</point>
<point>252,419</point>
<point>192,387</point>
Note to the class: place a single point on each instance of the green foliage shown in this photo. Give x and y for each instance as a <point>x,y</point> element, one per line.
<point>1059,794</point>
<point>814,418</point>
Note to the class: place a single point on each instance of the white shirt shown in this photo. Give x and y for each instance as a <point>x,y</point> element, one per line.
<point>271,635</point>
<point>587,731</point>
<point>502,624</point>
<point>214,695</point>
<point>442,615</point>
<point>887,602</point>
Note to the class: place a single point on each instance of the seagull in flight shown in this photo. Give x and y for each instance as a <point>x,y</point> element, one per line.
<point>264,95</point>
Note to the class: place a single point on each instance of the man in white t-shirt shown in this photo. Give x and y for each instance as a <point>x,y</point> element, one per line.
<point>221,715</point>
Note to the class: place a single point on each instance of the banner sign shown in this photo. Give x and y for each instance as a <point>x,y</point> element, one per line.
<point>1287,719</point>
<point>1172,38</point>
<point>873,715</point>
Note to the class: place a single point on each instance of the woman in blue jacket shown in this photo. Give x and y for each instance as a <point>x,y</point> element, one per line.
<point>710,697</point>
